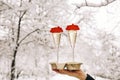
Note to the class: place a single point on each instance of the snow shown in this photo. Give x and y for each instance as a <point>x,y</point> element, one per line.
<point>97,46</point>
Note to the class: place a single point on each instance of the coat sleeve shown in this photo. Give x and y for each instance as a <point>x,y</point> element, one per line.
<point>89,77</point>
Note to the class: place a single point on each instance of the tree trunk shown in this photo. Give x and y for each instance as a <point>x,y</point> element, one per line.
<point>16,48</point>
<point>13,63</point>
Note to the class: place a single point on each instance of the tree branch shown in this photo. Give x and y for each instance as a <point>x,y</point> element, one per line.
<point>27,36</point>
<point>93,5</point>
<point>86,3</point>
<point>19,26</point>
<point>30,34</point>
<point>18,74</point>
<point>107,1</point>
<point>4,6</point>
<point>16,47</point>
<point>29,0</point>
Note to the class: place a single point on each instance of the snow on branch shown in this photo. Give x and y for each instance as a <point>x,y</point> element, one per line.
<point>90,3</point>
<point>28,35</point>
<point>19,26</point>
<point>4,6</point>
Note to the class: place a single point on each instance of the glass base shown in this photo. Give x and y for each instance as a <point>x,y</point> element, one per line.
<point>66,66</point>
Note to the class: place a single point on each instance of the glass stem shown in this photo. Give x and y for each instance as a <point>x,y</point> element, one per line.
<point>73,55</point>
<point>57,54</point>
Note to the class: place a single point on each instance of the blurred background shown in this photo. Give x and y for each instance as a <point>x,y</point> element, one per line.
<point>27,47</point>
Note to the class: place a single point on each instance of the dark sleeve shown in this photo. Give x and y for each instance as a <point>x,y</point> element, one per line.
<point>89,77</point>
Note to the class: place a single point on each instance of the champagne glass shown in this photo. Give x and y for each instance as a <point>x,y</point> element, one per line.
<point>72,38</point>
<point>57,37</point>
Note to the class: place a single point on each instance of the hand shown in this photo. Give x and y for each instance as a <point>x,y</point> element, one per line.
<point>78,73</point>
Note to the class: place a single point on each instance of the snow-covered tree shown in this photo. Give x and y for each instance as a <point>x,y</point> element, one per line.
<point>26,46</point>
